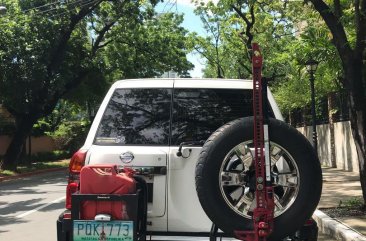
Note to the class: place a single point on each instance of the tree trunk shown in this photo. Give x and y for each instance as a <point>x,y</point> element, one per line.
<point>358,115</point>
<point>358,125</point>
<point>12,156</point>
<point>331,107</point>
<point>290,118</point>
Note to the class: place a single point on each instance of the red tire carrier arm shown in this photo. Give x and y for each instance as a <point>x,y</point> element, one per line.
<point>263,214</point>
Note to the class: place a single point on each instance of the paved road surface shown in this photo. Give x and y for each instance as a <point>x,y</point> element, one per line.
<point>29,208</point>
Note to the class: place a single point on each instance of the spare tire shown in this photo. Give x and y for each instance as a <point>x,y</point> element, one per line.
<point>225,177</point>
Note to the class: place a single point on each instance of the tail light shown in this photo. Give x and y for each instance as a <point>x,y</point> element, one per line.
<point>76,163</point>
<point>70,189</point>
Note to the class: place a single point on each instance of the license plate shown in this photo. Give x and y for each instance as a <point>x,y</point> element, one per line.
<point>103,231</point>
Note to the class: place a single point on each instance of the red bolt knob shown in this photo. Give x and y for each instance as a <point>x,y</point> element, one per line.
<point>263,225</point>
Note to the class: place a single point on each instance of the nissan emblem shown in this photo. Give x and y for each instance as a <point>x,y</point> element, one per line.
<point>126,157</point>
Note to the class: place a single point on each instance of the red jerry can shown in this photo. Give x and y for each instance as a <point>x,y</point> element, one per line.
<point>104,179</point>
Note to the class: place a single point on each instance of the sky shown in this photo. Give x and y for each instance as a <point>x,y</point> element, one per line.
<point>192,23</point>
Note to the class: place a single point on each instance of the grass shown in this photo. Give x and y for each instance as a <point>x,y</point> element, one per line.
<point>352,202</point>
<point>347,208</point>
<point>35,167</point>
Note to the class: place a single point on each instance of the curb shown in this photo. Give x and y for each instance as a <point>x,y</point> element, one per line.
<point>335,228</point>
<point>28,174</point>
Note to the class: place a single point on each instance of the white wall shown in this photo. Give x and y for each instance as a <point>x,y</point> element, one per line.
<point>345,149</point>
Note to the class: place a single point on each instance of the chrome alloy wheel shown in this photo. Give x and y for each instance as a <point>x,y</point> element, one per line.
<point>237,179</point>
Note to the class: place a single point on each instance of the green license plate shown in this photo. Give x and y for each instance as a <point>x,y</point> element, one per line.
<point>103,231</point>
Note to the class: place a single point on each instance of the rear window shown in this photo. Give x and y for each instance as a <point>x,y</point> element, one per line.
<point>136,117</point>
<point>197,113</point>
<point>142,116</point>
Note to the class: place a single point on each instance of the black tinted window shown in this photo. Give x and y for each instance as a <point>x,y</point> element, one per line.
<point>197,113</point>
<point>136,116</point>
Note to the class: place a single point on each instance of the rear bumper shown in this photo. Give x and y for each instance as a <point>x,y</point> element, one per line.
<point>308,232</point>
<point>64,227</point>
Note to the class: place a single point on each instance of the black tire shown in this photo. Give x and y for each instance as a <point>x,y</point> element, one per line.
<point>211,160</point>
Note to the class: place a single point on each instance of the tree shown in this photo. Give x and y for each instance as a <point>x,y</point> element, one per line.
<point>232,26</point>
<point>210,47</point>
<point>351,48</point>
<point>293,92</point>
<point>148,48</point>
<point>49,49</point>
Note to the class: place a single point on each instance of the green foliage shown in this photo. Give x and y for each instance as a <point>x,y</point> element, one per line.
<point>232,26</point>
<point>73,50</point>
<point>70,136</point>
<point>313,40</point>
<point>41,127</point>
<point>7,173</point>
<point>50,156</point>
<point>68,125</point>
<point>139,43</point>
<point>27,47</point>
<point>36,167</point>
<point>356,202</point>
<point>288,33</point>
<point>65,111</point>
<point>148,48</point>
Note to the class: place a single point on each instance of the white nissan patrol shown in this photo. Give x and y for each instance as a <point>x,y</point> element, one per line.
<point>158,126</point>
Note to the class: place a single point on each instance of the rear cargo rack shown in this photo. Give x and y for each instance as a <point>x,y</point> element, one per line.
<point>136,203</point>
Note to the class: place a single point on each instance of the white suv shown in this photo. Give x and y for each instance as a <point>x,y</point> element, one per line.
<point>159,126</point>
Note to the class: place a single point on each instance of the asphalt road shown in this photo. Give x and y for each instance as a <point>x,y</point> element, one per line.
<point>30,206</point>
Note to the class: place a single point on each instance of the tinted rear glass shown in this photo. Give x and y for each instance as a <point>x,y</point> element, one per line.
<point>197,113</point>
<point>136,117</point>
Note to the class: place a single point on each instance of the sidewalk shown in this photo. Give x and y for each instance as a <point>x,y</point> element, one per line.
<point>340,186</point>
